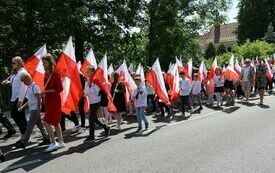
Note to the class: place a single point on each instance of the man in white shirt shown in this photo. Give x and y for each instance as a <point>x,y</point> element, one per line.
<point>247,78</point>
<point>185,89</point>
<point>18,93</point>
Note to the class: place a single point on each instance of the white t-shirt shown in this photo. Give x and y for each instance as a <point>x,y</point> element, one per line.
<point>218,81</point>
<point>93,93</point>
<point>245,73</point>
<point>196,87</point>
<point>30,95</point>
<point>18,87</point>
<point>142,96</point>
<point>185,87</point>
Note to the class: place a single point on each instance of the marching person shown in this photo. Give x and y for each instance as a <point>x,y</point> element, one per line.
<point>33,95</point>
<point>93,92</point>
<point>247,78</point>
<point>17,97</point>
<point>219,86</point>
<point>53,88</point>
<point>209,84</point>
<point>185,90</point>
<point>118,92</point>
<point>261,70</point>
<point>196,91</point>
<point>140,100</point>
<point>5,122</point>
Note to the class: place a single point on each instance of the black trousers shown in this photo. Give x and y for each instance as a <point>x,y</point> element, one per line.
<point>93,119</point>
<point>153,101</point>
<point>185,102</point>
<point>163,108</point>
<point>19,117</point>
<point>72,117</point>
<point>6,123</point>
<point>81,111</point>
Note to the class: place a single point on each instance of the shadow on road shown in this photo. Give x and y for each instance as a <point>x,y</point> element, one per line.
<point>231,109</point>
<point>144,133</point>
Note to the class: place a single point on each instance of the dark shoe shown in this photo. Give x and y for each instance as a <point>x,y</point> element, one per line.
<point>9,134</point>
<point>89,139</point>
<point>45,142</point>
<point>138,131</point>
<point>146,126</point>
<point>2,158</point>
<point>201,108</point>
<point>20,145</point>
<point>107,131</point>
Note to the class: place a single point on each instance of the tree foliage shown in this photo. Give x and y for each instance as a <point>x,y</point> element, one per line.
<point>256,48</point>
<point>210,51</point>
<point>254,17</point>
<point>221,49</point>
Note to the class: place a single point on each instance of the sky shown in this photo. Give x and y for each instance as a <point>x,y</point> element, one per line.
<point>233,12</point>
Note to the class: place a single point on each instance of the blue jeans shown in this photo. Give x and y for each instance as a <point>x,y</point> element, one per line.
<point>141,116</point>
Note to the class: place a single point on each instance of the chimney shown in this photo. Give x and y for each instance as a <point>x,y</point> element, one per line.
<point>217,33</point>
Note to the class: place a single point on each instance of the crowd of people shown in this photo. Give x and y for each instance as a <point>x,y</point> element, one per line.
<point>216,89</point>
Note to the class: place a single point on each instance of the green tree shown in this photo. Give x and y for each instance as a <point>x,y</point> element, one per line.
<point>256,48</point>
<point>254,17</point>
<point>221,49</point>
<point>210,51</point>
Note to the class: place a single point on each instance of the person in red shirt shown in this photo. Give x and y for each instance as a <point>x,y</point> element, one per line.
<point>52,90</point>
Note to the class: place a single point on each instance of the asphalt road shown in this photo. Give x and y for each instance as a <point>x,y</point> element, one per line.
<point>237,139</point>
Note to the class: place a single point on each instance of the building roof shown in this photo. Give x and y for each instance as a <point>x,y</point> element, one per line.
<point>220,34</point>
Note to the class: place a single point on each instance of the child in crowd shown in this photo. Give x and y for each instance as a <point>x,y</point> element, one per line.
<point>196,91</point>
<point>218,86</point>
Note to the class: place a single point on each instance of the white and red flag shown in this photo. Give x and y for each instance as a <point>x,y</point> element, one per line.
<point>110,69</point>
<point>202,71</point>
<point>100,78</point>
<point>268,71</point>
<point>127,80</point>
<point>89,61</point>
<point>35,67</point>
<point>213,68</point>
<point>72,90</point>
<point>172,79</point>
<point>155,79</point>
<point>238,68</point>
<point>140,72</point>
<point>230,72</point>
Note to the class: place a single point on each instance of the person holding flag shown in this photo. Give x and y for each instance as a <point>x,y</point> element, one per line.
<point>247,78</point>
<point>118,92</point>
<point>185,90</point>
<point>219,86</point>
<point>51,92</point>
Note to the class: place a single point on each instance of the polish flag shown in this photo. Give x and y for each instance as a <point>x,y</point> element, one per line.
<point>238,68</point>
<point>242,63</point>
<point>202,71</point>
<point>155,79</point>
<point>170,67</point>
<point>89,61</point>
<point>131,68</point>
<point>110,69</point>
<point>213,68</point>
<point>35,67</point>
<point>268,72</point>
<point>172,78</point>
<point>72,90</point>
<point>188,69</point>
<point>79,67</point>
<point>140,72</point>
<point>180,65</point>
<point>127,80</point>
<point>230,72</point>
<point>100,78</point>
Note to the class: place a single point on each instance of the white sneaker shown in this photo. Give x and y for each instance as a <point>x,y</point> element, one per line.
<point>76,129</point>
<point>51,148</point>
<point>59,146</point>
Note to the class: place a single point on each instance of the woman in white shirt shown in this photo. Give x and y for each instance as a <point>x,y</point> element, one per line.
<point>93,92</point>
<point>219,86</point>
